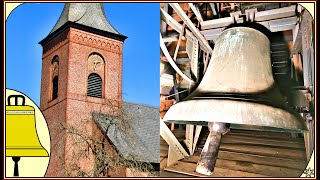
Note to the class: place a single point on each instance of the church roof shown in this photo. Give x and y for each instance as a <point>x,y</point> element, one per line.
<point>88,14</point>
<point>89,17</point>
<point>141,140</point>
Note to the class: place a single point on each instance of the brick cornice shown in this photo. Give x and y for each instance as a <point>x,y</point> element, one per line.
<point>89,39</point>
<point>69,24</point>
<point>55,43</point>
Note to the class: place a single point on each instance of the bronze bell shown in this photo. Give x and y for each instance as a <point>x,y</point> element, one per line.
<point>237,88</point>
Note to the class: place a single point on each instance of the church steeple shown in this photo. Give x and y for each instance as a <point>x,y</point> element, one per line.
<point>81,74</point>
<point>88,14</point>
<point>90,17</point>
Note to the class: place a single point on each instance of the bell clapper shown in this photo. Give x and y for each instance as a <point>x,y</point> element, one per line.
<point>16,168</point>
<point>210,150</point>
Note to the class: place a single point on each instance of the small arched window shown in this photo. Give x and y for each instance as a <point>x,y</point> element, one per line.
<point>55,77</point>
<point>55,87</point>
<point>94,85</point>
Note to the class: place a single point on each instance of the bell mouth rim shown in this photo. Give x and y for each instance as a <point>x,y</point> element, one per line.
<point>234,112</point>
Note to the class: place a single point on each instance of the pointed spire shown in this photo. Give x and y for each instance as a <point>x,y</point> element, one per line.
<point>88,14</point>
<point>84,16</point>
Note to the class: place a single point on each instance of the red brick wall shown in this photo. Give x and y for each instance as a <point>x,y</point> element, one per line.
<point>73,107</point>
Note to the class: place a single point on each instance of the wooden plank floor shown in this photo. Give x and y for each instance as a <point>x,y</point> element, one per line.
<point>245,153</point>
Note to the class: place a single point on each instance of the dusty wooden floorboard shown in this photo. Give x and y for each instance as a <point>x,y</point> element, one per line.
<point>172,174</point>
<point>270,136</point>
<point>262,141</point>
<point>258,136</point>
<point>255,159</point>
<point>189,169</point>
<point>251,167</point>
<point>245,153</point>
<point>266,133</point>
<point>265,150</point>
<point>264,160</point>
<point>258,168</point>
<point>163,153</point>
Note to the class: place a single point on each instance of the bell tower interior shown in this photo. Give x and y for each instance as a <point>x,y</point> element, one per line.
<point>208,60</point>
<point>81,73</point>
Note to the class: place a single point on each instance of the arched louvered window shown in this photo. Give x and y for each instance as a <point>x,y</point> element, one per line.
<point>54,77</point>
<point>55,87</point>
<point>94,85</point>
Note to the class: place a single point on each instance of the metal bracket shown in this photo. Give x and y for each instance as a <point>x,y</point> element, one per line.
<point>236,16</point>
<point>250,14</point>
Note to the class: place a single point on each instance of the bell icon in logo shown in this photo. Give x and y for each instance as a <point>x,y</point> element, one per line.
<point>27,137</point>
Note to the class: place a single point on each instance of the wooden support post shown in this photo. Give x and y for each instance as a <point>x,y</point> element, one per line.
<point>174,24</point>
<point>196,137</point>
<point>194,59</point>
<point>307,144</point>
<point>177,152</point>
<point>206,63</point>
<point>193,53</point>
<point>172,63</point>
<point>193,29</point>
<point>178,44</point>
<point>196,12</point>
<point>173,156</point>
<point>306,56</point>
<point>163,24</point>
<point>189,137</point>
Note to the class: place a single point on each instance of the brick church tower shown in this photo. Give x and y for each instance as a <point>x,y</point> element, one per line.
<point>81,74</point>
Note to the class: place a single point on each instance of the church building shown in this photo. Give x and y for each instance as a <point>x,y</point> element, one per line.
<point>81,96</point>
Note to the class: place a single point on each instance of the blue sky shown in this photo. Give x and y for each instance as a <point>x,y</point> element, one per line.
<point>29,23</point>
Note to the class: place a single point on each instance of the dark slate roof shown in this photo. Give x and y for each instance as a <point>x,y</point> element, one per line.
<point>141,140</point>
<point>88,17</point>
<point>87,14</point>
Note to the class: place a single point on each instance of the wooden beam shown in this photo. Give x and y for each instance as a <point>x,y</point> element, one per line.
<point>259,17</point>
<point>196,137</point>
<point>189,138</point>
<point>216,23</point>
<point>177,152</point>
<point>173,156</point>
<point>306,48</point>
<point>172,63</point>
<point>192,48</point>
<point>178,44</point>
<point>212,34</point>
<point>275,13</point>
<point>283,24</point>
<point>196,11</point>
<point>273,25</point>
<point>190,25</point>
<point>163,24</point>
<point>172,38</point>
<point>175,24</point>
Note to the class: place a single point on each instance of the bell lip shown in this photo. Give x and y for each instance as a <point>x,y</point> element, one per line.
<point>26,152</point>
<point>19,108</point>
<point>234,112</point>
